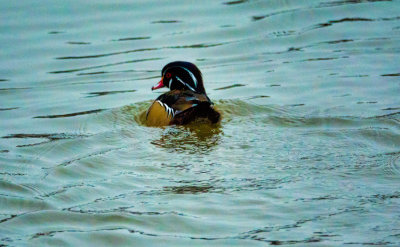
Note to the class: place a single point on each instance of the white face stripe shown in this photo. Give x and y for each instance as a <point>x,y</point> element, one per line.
<point>191,75</point>
<point>187,85</point>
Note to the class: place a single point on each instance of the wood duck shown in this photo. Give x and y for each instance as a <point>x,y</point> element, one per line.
<point>186,101</point>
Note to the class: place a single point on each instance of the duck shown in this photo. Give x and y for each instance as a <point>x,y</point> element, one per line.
<point>185,102</point>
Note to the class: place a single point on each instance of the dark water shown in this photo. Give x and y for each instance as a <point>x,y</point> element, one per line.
<point>307,153</point>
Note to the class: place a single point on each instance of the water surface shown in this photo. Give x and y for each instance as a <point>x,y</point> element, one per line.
<point>307,153</point>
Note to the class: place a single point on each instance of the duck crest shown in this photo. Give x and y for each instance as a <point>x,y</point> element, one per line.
<point>185,102</point>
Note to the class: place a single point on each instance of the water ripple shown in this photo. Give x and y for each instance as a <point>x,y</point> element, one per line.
<point>108,54</point>
<point>392,74</point>
<point>9,109</point>
<point>51,137</point>
<point>200,45</point>
<point>78,43</point>
<point>104,65</point>
<point>261,17</point>
<point>97,94</point>
<point>349,19</point>
<point>393,166</point>
<point>132,38</point>
<point>165,21</point>
<point>330,23</point>
<point>345,2</point>
<point>231,86</point>
<point>74,114</point>
<point>235,2</point>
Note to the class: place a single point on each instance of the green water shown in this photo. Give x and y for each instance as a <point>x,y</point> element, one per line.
<point>307,153</point>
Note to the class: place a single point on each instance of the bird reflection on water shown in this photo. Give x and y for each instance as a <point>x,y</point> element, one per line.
<point>193,138</point>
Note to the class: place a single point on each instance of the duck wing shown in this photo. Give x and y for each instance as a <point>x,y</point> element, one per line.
<point>159,114</point>
<point>193,106</point>
<point>201,111</point>
<point>163,110</point>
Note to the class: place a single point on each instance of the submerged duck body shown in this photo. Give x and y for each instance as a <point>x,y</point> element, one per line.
<point>186,101</point>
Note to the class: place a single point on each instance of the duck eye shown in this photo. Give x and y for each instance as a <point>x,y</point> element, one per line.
<point>168,75</point>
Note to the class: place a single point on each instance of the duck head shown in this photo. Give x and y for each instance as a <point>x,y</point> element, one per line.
<point>182,76</point>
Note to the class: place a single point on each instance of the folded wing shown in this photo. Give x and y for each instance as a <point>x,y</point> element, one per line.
<point>159,114</point>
